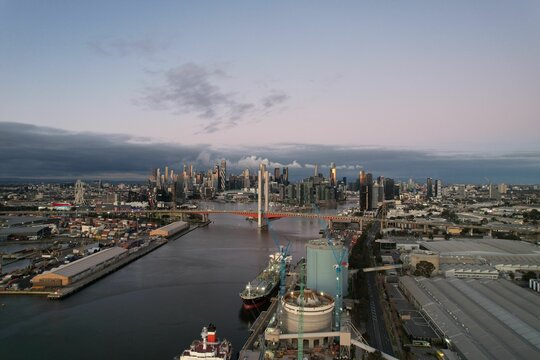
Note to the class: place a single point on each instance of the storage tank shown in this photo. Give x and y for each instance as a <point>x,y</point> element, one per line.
<point>318,308</point>
<point>321,266</point>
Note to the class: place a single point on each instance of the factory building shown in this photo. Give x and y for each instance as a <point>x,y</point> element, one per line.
<point>67,274</point>
<point>472,317</point>
<point>322,260</point>
<point>469,271</point>
<point>27,232</point>
<point>171,229</point>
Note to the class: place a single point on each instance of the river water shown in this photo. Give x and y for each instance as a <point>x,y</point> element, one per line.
<point>154,307</point>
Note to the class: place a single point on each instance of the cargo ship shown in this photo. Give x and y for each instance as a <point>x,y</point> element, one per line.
<point>208,348</point>
<point>259,291</point>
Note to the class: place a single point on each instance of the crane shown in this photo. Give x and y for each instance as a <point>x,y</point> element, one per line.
<point>301,301</point>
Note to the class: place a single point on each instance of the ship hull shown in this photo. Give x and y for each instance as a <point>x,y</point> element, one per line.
<point>260,301</point>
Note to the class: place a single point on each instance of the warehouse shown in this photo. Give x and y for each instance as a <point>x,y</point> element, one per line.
<point>472,315</point>
<point>503,255</point>
<point>69,273</point>
<point>25,232</point>
<point>171,229</point>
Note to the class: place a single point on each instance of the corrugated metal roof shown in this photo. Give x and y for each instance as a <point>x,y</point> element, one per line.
<point>173,226</point>
<point>88,262</point>
<point>490,317</point>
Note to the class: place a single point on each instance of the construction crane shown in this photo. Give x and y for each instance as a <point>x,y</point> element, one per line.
<point>284,255</point>
<point>341,262</point>
<point>301,302</point>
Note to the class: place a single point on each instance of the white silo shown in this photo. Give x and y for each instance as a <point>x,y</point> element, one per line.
<point>317,310</point>
<point>322,259</point>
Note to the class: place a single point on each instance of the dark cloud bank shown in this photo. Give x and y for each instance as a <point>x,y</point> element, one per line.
<point>32,152</point>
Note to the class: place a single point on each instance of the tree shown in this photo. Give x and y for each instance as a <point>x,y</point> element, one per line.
<point>424,268</point>
<point>376,355</point>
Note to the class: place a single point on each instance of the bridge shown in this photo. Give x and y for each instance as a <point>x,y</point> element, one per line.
<point>420,225</point>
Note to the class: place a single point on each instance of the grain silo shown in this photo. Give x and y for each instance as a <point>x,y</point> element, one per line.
<point>317,310</point>
<point>322,258</point>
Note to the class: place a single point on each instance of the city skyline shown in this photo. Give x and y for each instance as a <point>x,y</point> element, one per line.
<point>33,153</point>
<point>415,89</point>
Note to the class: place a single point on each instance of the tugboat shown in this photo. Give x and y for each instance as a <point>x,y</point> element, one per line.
<point>209,348</point>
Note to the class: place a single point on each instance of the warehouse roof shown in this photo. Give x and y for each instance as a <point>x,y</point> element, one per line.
<point>491,317</point>
<point>21,220</point>
<point>88,262</point>
<point>481,247</point>
<point>22,230</point>
<point>173,226</point>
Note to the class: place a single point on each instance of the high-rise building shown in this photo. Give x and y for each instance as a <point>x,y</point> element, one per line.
<point>369,185</point>
<point>429,188</point>
<point>285,176</point>
<point>363,191</point>
<point>277,175</point>
<point>223,175</point>
<point>316,170</point>
<point>494,192</point>
<point>389,189</point>
<point>247,181</point>
<point>333,174</point>
<point>438,189</point>
<point>375,195</point>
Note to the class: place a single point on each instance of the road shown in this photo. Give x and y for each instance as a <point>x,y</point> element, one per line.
<point>376,327</point>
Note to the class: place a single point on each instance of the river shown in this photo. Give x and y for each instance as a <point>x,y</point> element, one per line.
<point>154,307</point>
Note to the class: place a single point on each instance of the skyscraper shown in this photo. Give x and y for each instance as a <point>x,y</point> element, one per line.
<point>277,175</point>
<point>369,186</point>
<point>222,175</point>
<point>363,195</point>
<point>429,186</point>
<point>333,174</point>
<point>247,181</point>
<point>286,176</point>
<point>438,189</point>
<point>389,189</point>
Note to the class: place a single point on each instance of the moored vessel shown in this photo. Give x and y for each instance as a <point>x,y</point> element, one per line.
<point>259,290</point>
<point>209,347</point>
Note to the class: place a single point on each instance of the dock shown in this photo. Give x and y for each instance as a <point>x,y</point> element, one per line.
<point>251,350</point>
<point>70,289</point>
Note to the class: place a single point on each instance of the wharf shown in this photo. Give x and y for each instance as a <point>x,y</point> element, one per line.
<point>250,351</point>
<point>68,290</point>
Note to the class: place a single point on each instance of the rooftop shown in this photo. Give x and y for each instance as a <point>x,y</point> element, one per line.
<point>88,262</point>
<point>482,318</point>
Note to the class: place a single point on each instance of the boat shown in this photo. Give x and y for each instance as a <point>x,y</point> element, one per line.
<point>208,348</point>
<point>259,291</point>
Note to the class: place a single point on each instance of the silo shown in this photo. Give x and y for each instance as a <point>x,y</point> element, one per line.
<point>318,308</point>
<point>321,266</point>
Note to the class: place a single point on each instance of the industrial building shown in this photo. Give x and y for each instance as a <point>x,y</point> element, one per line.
<point>8,221</point>
<point>503,255</point>
<point>67,274</point>
<point>317,311</point>
<point>322,259</point>
<point>469,271</point>
<point>472,317</point>
<point>171,229</point>
<point>28,232</point>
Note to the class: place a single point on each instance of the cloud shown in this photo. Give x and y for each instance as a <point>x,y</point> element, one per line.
<point>252,162</point>
<point>146,46</point>
<point>193,89</point>
<point>274,100</point>
<point>36,152</point>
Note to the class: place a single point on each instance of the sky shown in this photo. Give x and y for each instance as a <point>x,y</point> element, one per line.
<point>408,88</point>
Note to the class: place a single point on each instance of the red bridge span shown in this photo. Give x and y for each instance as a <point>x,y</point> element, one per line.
<point>266,215</point>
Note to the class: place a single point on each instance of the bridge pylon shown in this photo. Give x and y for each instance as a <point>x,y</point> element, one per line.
<point>261,222</point>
